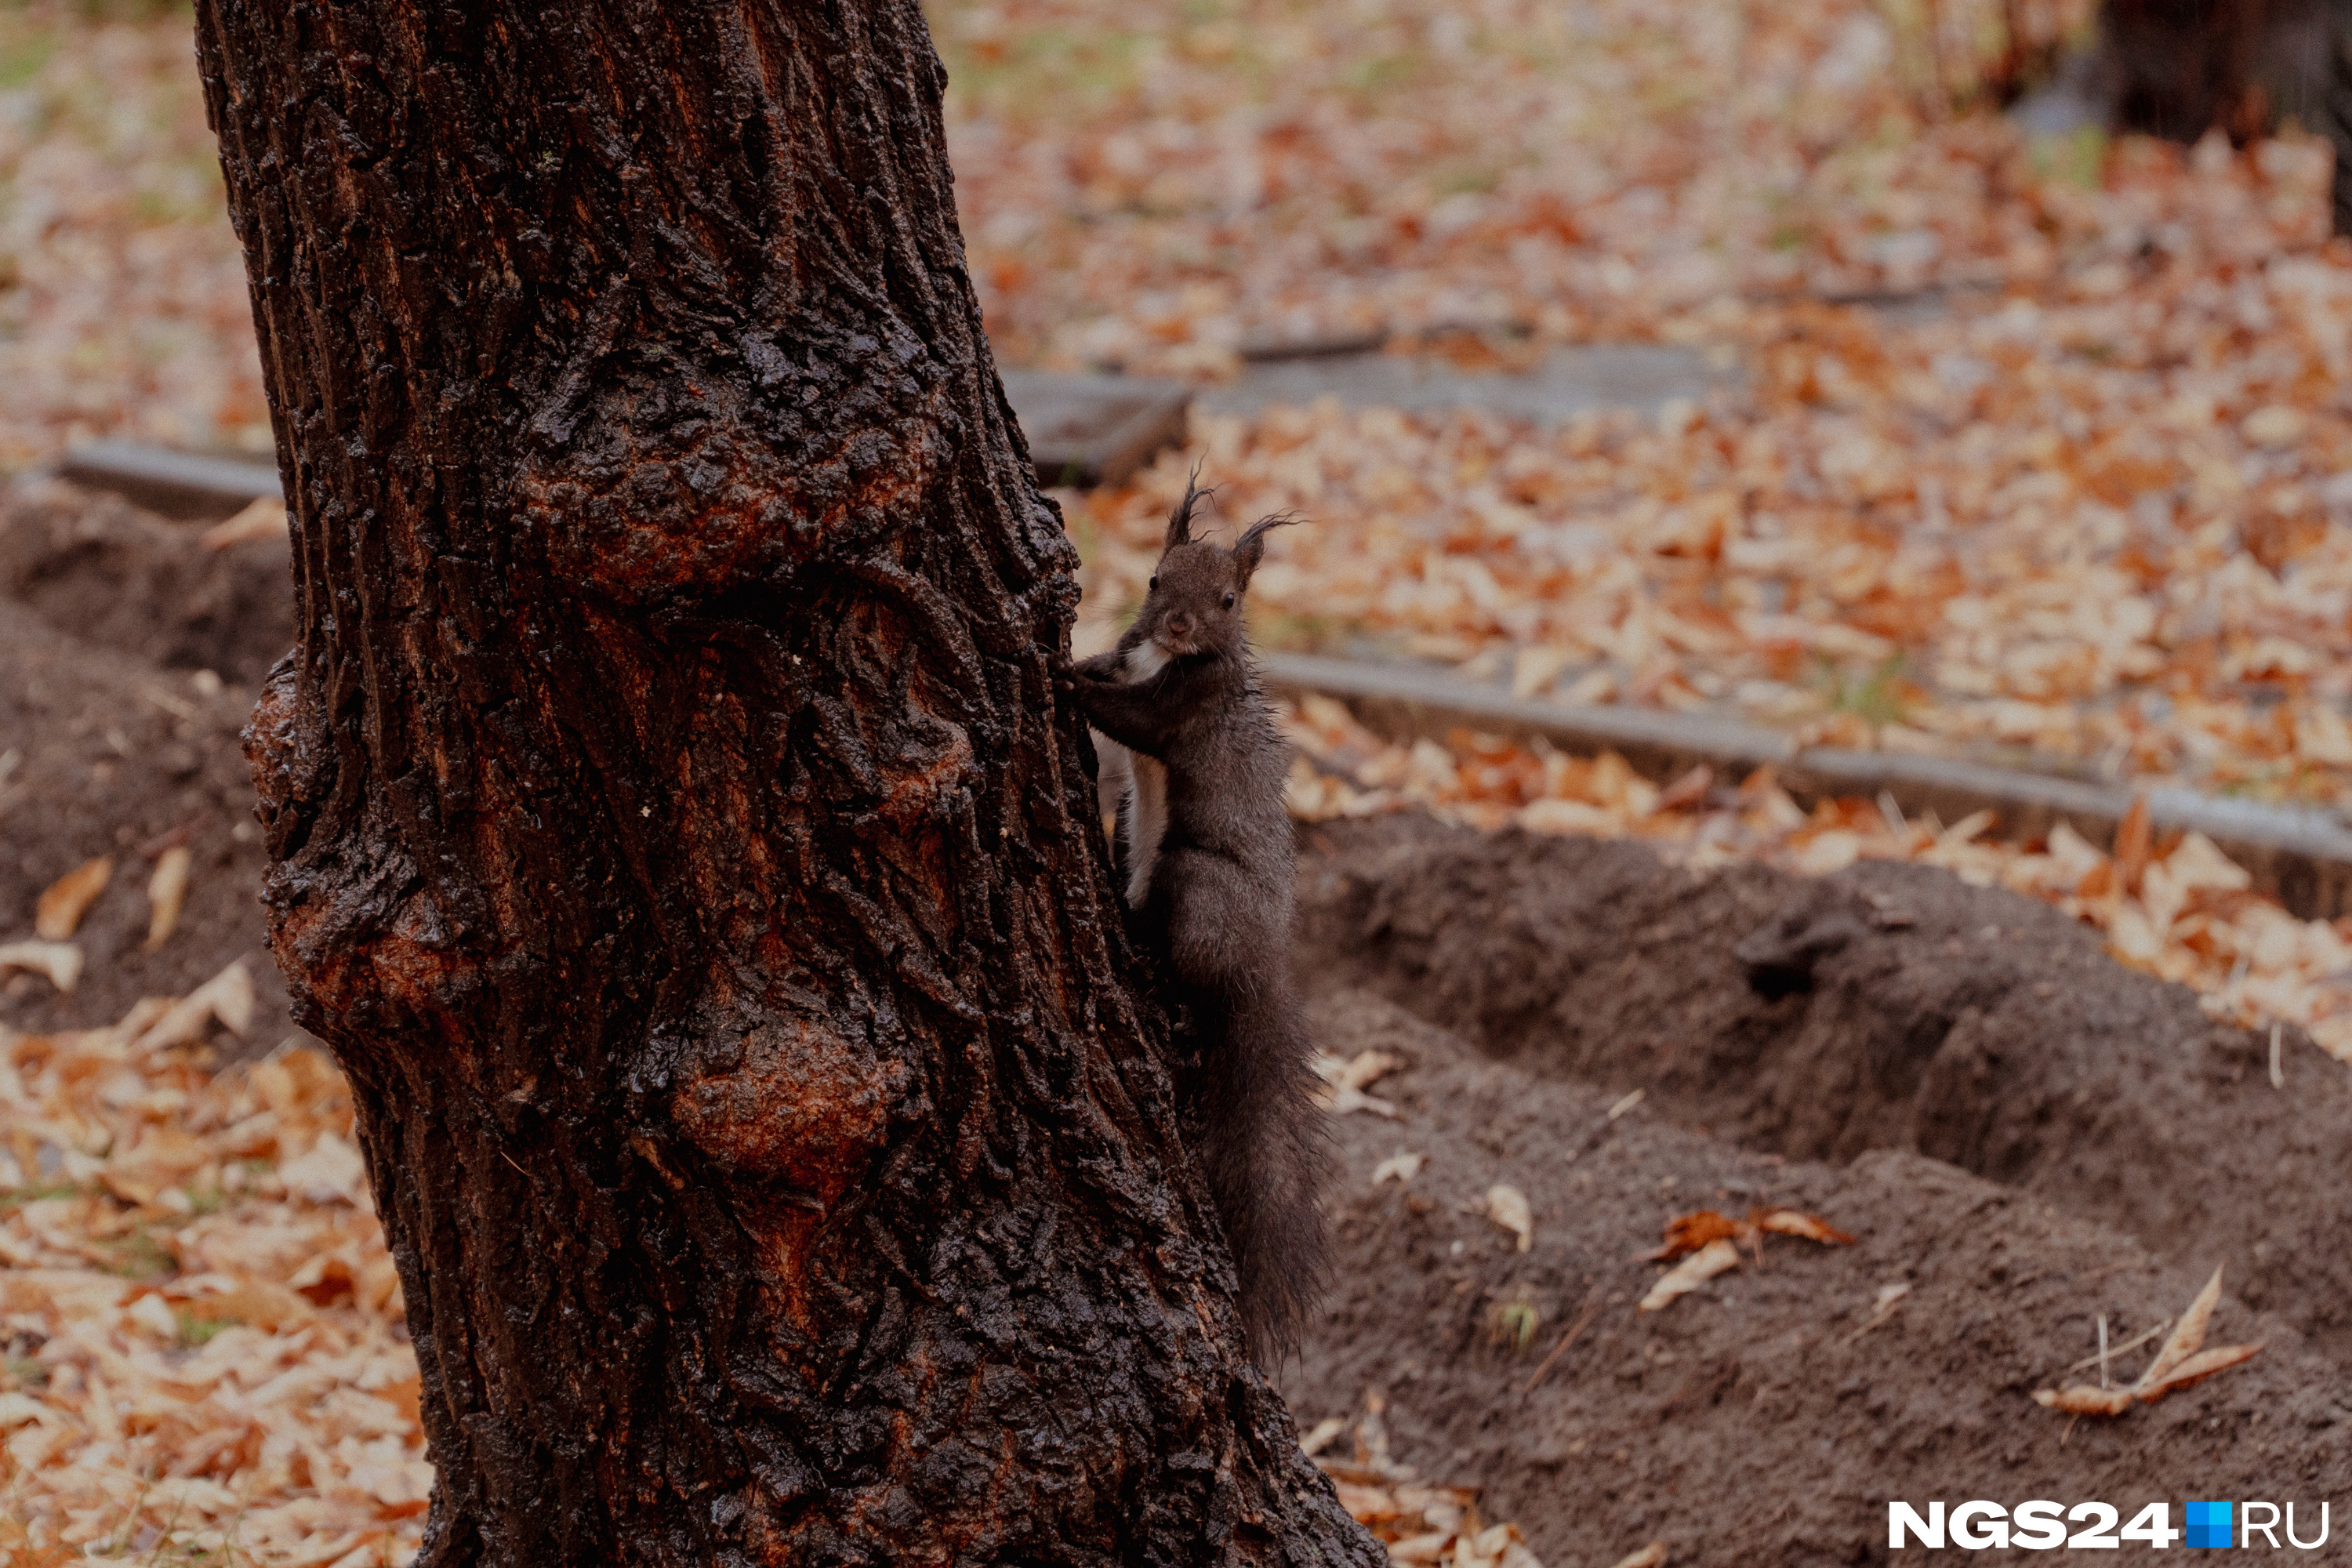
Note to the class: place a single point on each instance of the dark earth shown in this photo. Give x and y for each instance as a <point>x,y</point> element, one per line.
<point>2025,1134</point>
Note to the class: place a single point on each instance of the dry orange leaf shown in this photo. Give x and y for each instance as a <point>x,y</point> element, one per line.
<point>227,997</point>
<point>1714,1258</point>
<point>167,889</point>
<point>64,901</point>
<point>1688,1233</point>
<point>263,1303</point>
<point>1713,1242</point>
<point>2133,837</point>
<point>2178,1364</point>
<point>263,518</point>
<point>2196,1369</point>
<point>1812,1226</point>
<point>2081,1399</point>
<point>2187,1335</point>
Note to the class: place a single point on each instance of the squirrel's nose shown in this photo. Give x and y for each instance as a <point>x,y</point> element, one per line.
<point>1179,624</point>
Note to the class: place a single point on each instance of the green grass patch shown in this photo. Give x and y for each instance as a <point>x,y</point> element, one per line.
<point>1875,699</point>
<point>2078,158</point>
<point>17,1197</point>
<point>197,1332</point>
<point>140,1256</point>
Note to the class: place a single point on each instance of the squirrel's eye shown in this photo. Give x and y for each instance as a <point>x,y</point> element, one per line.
<point>1229,601</point>
<point>1155,587</point>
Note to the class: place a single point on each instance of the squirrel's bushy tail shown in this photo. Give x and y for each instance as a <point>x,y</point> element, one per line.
<point>1264,1150</point>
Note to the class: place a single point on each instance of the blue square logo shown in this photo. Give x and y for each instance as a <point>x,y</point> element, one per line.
<point>2209,1525</point>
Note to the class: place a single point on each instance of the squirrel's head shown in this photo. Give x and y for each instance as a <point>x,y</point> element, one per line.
<point>1195,602</point>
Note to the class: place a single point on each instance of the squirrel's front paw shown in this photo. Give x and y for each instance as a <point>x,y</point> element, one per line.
<point>1102,669</point>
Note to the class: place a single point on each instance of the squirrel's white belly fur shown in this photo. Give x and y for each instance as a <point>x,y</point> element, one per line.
<point>1147,823</point>
<point>1142,783</point>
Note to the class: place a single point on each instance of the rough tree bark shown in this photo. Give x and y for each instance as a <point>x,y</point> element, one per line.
<point>675,829</point>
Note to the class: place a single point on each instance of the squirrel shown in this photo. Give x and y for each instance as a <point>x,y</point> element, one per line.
<point>1211,876</point>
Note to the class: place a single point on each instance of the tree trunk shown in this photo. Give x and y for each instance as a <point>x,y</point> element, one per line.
<point>2181,68</point>
<point>675,829</point>
<point>2334,118</point>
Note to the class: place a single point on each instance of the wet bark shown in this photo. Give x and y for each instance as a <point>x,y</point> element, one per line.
<point>676,828</point>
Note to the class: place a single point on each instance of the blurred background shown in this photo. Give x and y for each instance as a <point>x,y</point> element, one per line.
<point>1984,360</point>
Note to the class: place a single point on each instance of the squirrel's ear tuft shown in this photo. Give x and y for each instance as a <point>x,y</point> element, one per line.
<point>1180,521</point>
<point>1250,549</point>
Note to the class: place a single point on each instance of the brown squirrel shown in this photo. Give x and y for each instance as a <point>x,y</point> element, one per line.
<point>1210,876</point>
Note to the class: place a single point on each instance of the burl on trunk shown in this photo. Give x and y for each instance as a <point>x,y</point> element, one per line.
<point>676,830</point>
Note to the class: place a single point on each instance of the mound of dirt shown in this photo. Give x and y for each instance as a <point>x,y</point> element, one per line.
<point>1770,1417</point>
<point>2025,1137</point>
<point>100,569</point>
<point>1890,1006</point>
<point>116,740</point>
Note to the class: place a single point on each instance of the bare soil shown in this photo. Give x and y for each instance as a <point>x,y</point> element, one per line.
<point>2023,1133</point>
<point>128,658</point>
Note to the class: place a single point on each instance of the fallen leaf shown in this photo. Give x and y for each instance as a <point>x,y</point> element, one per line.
<point>1403,1167</point>
<point>1687,1276</point>
<point>1344,1081</point>
<point>1344,1099</point>
<point>2196,1369</point>
<point>60,960</point>
<point>331,1172</point>
<point>1507,1207</point>
<point>153,1315</point>
<point>2133,838</point>
<point>167,889</point>
<point>64,901</point>
<point>1315,1442</point>
<point>227,997</point>
<point>263,1303</point>
<point>1889,1297</point>
<point>1537,667</point>
<point>1689,790</point>
<point>1685,1234</point>
<point>1812,1227</point>
<point>1650,1556</point>
<point>2081,1399</point>
<point>1967,829</point>
<point>263,518</point>
<point>1368,1068</point>
<point>2275,425</point>
<point>1688,1233</point>
<point>2187,1336</point>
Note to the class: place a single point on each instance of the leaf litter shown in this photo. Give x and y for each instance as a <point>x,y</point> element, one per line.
<point>206,1352</point>
<point>1418,1524</point>
<point>204,1348</point>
